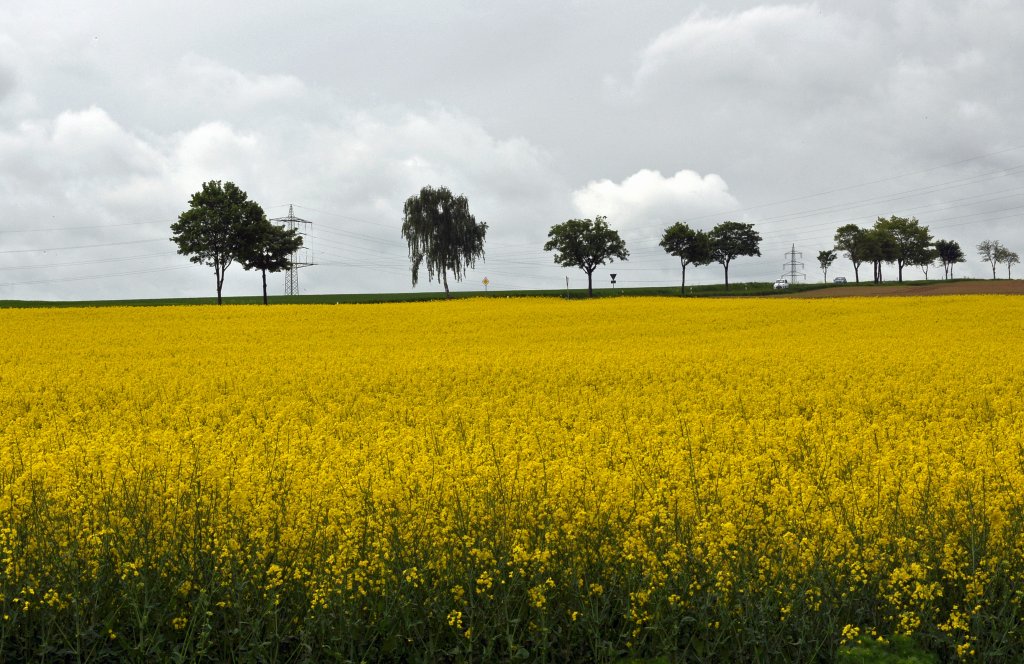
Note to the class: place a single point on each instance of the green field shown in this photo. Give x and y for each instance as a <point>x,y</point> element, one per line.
<point>715,290</point>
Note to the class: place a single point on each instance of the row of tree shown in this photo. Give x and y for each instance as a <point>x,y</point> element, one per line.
<point>445,237</point>
<point>905,242</point>
<point>586,243</point>
<point>222,226</point>
<point>994,253</point>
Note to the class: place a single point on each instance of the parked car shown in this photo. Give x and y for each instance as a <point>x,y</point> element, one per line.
<point>839,280</point>
<point>781,284</point>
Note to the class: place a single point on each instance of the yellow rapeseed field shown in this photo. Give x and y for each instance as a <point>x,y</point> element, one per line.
<point>486,479</point>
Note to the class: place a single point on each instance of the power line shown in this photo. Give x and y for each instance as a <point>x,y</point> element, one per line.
<point>81,246</point>
<point>865,184</point>
<point>95,276</point>
<point>79,228</point>
<point>87,262</point>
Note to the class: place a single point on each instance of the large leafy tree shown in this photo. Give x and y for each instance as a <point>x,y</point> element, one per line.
<point>908,241</point>
<point>732,239</point>
<point>990,251</point>
<point>213,229</point>
<point>586,244</point>
<point>692,247</point>
<point>926,260</point>
<point>852,240</point>
<point>442,234</point>
<point>1010,258</point>
<point>879,248</point>
<point>268,247</point>
<point>825,259</point>
<point>950,254</point>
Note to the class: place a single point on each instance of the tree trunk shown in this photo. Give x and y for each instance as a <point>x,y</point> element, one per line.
<point>726,265</point>
<point>220,283</point>
<point>444,278</point>
<point>856,273</point>
<point>264,286</point>
<point>590,283</point>
<point>993,270</point>
<point>682,286</point>
<point>899,271</point>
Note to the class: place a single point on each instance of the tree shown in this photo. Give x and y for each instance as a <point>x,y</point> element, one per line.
<point>950,254</point>
<point>908,240</point>
<point>212,231</point>
<point>268,247</point>
<point>732,239</point>
<point>926,260</point>
<point>585,243</point>
<point>825,260</point>
<point>693,247</point>
<point>879,247</point>
<point>990,250</point>
<point>851,239</point>
<point>442,234</point>
<point>1004,255</point>
<point>1011,259</point>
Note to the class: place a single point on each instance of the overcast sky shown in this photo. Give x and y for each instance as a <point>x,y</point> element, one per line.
<point>796,117</point>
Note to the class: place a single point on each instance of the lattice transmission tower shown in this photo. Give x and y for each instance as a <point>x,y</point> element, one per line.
<point>792,264</point>
<point>303,257</point>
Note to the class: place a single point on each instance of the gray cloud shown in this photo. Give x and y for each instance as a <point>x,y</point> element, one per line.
<point>6,83</point>
<point>814,114</point>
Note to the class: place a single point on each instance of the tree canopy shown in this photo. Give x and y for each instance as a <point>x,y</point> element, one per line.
<point>825,259</point>
<point>989,251</point>
<point>949,254</point>
<point>906,241</point>
<point>1010,258</point>
<point>853,240</point>
<point>692,247</point>
<point>879,247</point>
<point>213,230</point>
<point>732,239</point>
<point>442,234</point>
<point>926,259</point>
<point>268,247</point>
<point>586,244</point>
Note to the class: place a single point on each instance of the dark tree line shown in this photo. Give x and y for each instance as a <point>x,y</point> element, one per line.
<point>897,240</point>
<point>905,242</point>
<point>993,252</point>
<point>894,240</point>
<point>722,244</point>
<point>586,244</point>
<point>222,226</point>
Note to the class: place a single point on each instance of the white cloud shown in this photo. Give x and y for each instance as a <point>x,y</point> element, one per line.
<point>352,171</point>
<point>649,201</point>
